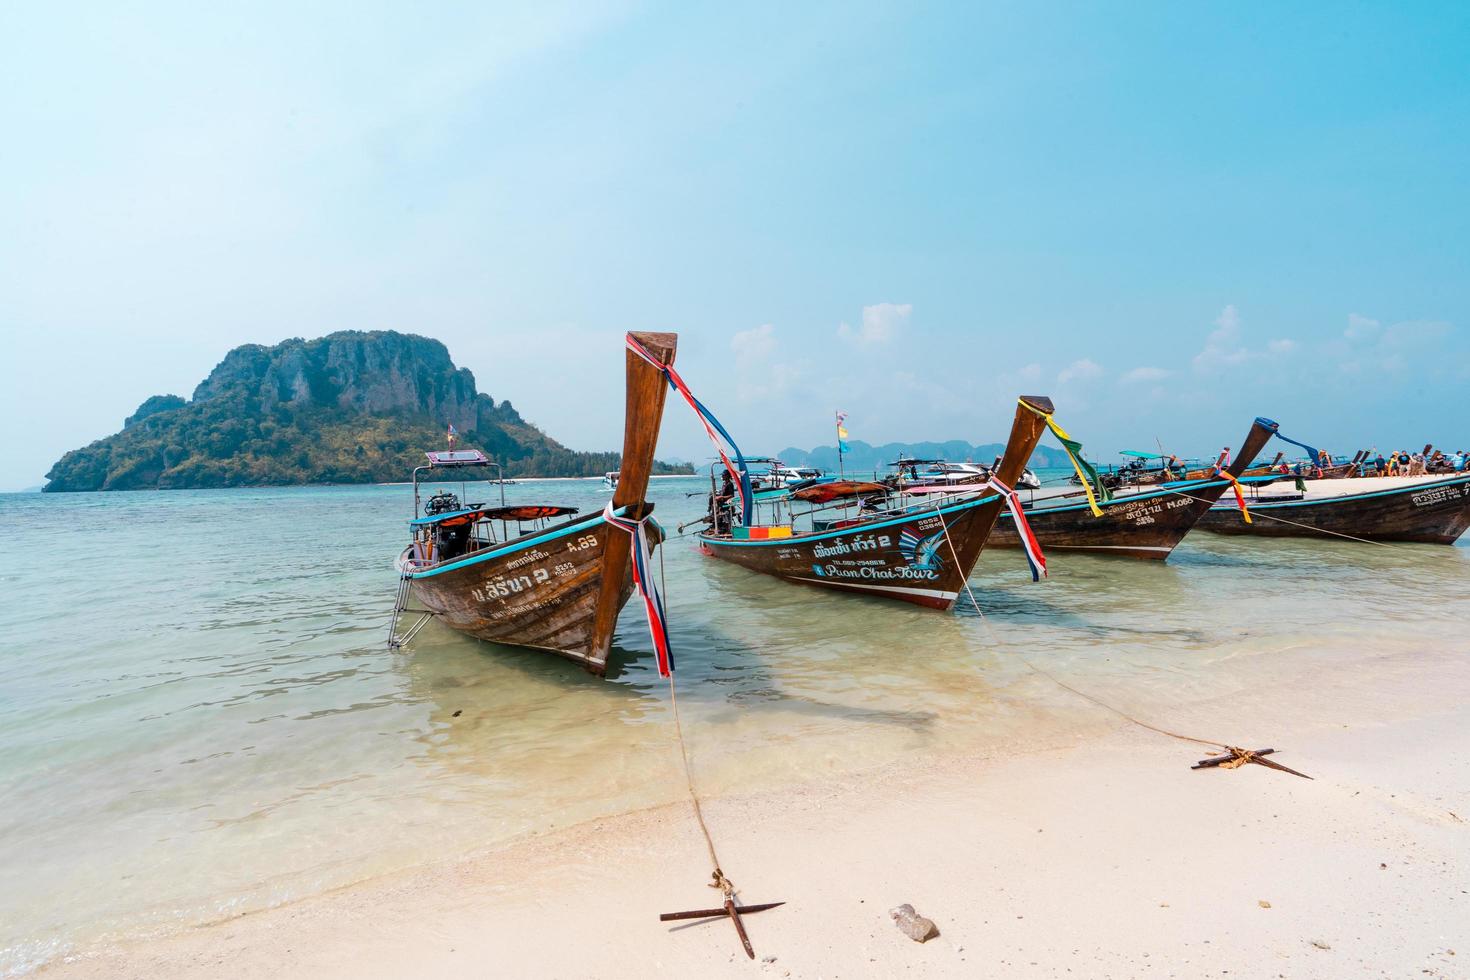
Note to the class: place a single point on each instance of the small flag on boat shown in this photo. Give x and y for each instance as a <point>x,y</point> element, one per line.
<point>842,446</point>
<point>453,434</point>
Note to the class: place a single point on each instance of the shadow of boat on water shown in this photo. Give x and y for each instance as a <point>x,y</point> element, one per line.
<point>731,665</point>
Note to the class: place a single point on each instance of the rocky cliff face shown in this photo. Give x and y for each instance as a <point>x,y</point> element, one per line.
<point>350,407</point>
<point>376,373</point>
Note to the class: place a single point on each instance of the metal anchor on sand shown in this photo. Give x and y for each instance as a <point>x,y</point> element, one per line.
<point>1239,757</point>
<point>729,908</point>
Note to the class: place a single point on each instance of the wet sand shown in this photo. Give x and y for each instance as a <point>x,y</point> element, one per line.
<point>1105,857</point>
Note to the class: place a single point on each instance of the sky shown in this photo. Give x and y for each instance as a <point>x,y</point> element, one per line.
<point>1169,217</point>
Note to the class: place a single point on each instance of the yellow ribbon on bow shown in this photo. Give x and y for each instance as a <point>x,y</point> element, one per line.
<point>1070,446</point>
<point>1239,496</point>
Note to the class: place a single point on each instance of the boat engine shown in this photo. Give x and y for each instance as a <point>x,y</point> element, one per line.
<point>443,502</point>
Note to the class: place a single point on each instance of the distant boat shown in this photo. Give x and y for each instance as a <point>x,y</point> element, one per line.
<point>1151,469</point>
<point>882,544</point>
<point>504,574</point>
<point>770,478</point>
<point>1387,508</point>
<point>913,474</point>
<point>1142,522</point>
<point>796,476</point>
<point>610,480</point>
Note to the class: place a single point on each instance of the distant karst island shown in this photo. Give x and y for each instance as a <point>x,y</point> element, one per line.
<point>350,407</point>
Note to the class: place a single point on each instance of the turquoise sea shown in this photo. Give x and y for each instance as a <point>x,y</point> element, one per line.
<point>200,717</point>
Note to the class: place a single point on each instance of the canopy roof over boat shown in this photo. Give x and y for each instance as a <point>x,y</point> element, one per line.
<point>822,493</point>
<point>1138,455</point>
<point>526,512</point>
<point>457,457</point>
<point>514,512</point>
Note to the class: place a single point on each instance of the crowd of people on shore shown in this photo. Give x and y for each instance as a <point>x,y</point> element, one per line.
<point>1401,462</point>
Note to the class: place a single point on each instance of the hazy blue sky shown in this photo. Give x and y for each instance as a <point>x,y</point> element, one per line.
<point>1170,217</point>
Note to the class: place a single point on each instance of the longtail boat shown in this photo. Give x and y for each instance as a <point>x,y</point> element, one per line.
<point>1147,522</point>
<point>879,544</point>
<point>1172,470</point>
<point>1374,508</point>
<point>556,587</point>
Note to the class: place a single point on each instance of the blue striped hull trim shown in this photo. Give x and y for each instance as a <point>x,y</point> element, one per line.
<point>855,529</point>
<point>521,544</point>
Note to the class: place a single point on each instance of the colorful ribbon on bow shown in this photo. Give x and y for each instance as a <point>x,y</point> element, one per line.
<point>711,425</point>
<point>1314,454</point>
<point>1029,544</point>
<point>644,585</point>
<point>1085,470</point>
<point>1028,539</point>
<point>1221,472</point>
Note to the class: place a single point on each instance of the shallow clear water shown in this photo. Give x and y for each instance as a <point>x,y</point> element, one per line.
<point>199,714</point>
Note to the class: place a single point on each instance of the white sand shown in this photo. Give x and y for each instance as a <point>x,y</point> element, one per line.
<point>1109,858</point>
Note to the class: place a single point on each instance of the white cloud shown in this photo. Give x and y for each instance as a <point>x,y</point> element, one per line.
<point>1031,372</point>
<point>1415,333</point>
<point>1223,346</point>
<point>755,344</point>
<point>1375,349</point>
<point>880,322</point>
<point>1361,327</point>
<point>1144,374</point>
<point>760,377</point>
<point>1080,371</point>
<point>772,381</point>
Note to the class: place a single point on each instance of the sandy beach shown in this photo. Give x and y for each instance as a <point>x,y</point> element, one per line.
<point>1105,856</point>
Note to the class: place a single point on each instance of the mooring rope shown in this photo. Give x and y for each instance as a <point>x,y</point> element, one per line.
<point>1240,756</point>
<point>653,604</point>
<point>1282,520</point>
<point>725,885</point>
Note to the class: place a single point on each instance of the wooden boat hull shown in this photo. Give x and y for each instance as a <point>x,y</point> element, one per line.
<point>561,589</point>
<point>895,558</point>
<point>1431,512</point>
<point>1146,525</point>
<point>922,555</point>
<point>1154,478</point>
<point>539,591</point>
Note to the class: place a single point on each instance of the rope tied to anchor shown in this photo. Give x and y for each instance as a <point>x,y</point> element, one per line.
<point>652,595</point>
<point>1236,756</point>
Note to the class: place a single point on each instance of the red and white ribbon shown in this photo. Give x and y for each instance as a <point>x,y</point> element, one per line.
<point>644,585</point>
<point>1029,544</point>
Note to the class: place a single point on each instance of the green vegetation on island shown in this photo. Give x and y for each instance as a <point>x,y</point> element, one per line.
<point>350,407</point>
